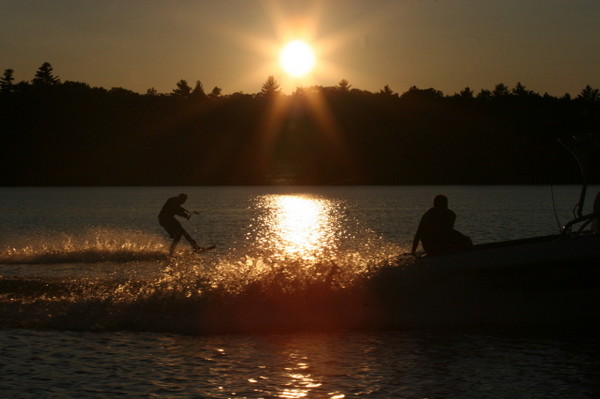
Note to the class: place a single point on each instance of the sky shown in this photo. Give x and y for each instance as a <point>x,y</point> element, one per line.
<point>550,46</point>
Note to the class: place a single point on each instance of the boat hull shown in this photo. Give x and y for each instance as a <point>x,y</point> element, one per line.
<point>581,251</point>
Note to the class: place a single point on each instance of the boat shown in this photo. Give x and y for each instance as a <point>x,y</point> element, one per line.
<point>581,250</point>
<point>576,245</point>
<point>550,281</point>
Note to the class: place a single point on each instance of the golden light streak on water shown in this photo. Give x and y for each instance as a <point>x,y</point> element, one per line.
<point>298,227</point>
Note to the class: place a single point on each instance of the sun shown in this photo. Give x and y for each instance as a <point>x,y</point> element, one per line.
<point>297,58</point>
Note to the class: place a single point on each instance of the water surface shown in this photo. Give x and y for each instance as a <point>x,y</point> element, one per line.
<point>292,303</point>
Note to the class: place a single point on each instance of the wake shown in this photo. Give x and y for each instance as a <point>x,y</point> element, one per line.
<point>229,291</point>
<point>94,246</point>
<point>262,294</point>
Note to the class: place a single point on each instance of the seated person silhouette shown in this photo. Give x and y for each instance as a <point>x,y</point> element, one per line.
<point>166,218</point>
<point>436,230</point>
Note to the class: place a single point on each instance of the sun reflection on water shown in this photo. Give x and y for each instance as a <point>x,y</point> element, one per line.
<point>298,226</point>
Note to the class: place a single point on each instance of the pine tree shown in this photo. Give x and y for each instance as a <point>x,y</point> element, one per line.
<point>589,94</point>
<point>44,76</point>
<point>183,89</point>
<point>270,87</point>
<point>344,86</point>
<point>6,82</point>
<point>198,92</point>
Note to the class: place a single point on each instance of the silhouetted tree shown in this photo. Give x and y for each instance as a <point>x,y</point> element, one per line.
<point>215,93</point>
<point>44,76</point>
<point>152,92</point>
<point>198,91</point>
<point>270,87</point>
<point>484,95</point>
<point>183,89</point>
<point>500,90</point>
<point>6,82</point>
<point>520,91</point>
<point>415,93</point>
<point>589,94</point>
<point>387,91</point>
<point>344,86</point>
<point>466,93</point>
<point>566,97</point>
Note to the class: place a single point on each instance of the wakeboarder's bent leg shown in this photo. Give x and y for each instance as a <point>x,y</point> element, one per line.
<point>174,244</point>
<point>192,242</point>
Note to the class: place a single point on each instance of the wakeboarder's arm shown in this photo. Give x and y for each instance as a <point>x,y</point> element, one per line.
<point>183,212</point>
<point>415,245</point>
<point>416,240</point>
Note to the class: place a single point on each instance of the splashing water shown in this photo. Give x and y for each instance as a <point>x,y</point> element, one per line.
<point>135,286</point>
<point>93,246</point>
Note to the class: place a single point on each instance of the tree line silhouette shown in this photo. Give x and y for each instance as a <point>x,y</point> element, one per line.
<point>68,133</point>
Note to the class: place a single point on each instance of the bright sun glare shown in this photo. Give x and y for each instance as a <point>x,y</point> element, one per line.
<point>297,58</point>
<point>297,226</point>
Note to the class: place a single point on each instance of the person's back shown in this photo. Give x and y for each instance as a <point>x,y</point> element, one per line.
<point>173,207</point>
<point>436,230</point>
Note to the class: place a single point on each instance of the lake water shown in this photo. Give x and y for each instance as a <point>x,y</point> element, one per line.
<point>90,306</point>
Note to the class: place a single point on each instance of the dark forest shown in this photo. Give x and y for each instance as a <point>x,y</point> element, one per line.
<point>68,133</point>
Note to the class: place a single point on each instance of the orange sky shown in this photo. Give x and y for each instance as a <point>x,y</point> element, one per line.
<point>548,45</point>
